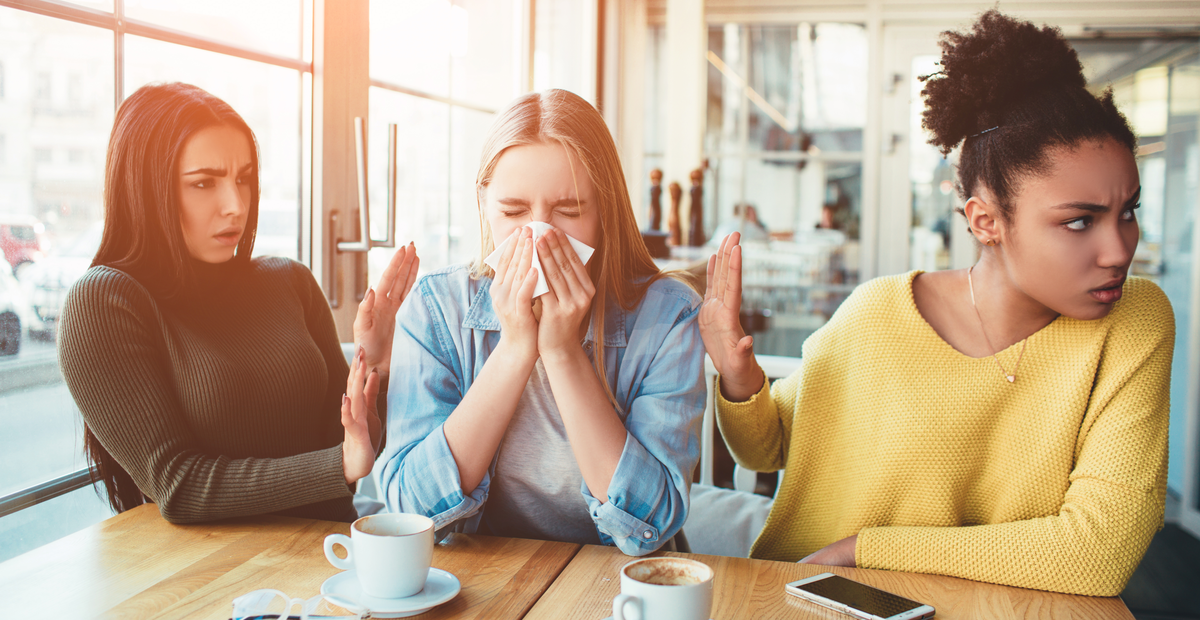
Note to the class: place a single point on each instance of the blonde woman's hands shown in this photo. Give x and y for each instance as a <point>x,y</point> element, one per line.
<point>360,420</point>
<point>375,323</point>
<point>731,350</point>
<point>512,297</point>
<point>567,304</point>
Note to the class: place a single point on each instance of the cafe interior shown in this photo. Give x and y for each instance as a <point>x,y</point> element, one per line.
<point>794,122</point>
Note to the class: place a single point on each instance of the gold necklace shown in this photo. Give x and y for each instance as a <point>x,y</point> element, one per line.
<point>1013,377</point>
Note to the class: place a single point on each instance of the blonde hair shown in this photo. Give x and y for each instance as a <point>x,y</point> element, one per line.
<point>621,267</point>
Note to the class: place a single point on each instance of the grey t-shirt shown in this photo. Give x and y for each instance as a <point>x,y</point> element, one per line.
<point>535,491</point>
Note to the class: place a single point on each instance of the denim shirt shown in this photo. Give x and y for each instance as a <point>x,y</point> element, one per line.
<point>654,359</point>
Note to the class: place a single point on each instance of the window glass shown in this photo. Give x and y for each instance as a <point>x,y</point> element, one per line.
<point>267,97</point>
<point>654,128</point>
<point>1156,84</point>
<point>422,176</point>
<point>484,68</point>
<point>48,521</point>
<point>271,26</point>
<point>56,116</point>
<point>411,42</point>
<point>786,113</point>
<point>801,259</point>
<point>468,129</point>
<point>938,238</point>
<point>469,52</point>
<point>787,87</point>
<point>564,53</point>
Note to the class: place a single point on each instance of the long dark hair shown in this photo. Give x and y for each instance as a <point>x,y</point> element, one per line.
<point>143,234</point>
<point>1009,91</point>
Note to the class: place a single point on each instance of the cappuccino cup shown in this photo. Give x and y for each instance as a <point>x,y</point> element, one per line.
<point>664,589</point>
<point>390,553</point>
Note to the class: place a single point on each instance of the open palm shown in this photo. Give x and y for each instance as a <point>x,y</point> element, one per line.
<point>375,323</point>
<point>731,350</point>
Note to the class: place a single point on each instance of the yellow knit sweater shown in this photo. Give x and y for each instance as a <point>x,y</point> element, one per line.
<point>940,465</point>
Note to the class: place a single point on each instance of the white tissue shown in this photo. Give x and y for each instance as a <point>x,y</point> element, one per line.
<point>539,228</point>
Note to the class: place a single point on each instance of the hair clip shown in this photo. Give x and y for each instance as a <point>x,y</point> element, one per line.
<point>985,131</point>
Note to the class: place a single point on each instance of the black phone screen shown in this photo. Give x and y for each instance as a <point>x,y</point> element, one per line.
<point>859,596</point>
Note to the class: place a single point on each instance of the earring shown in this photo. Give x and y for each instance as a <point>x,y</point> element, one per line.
<point>991,242</point>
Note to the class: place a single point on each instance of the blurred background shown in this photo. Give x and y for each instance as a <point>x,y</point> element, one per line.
<point>795,122</point>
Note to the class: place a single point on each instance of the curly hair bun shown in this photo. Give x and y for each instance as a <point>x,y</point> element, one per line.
<point>989,70</point>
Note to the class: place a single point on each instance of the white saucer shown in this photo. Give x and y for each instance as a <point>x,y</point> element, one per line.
<point>440,587</point>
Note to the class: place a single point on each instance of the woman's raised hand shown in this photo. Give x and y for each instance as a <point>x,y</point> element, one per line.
<point>375,323</point>
<point>512,297</point>
<point>360,420</point>
<point>731,350</point>
<point>567,304</point>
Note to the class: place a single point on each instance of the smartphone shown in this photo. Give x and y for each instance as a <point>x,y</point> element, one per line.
<point>857,599</point>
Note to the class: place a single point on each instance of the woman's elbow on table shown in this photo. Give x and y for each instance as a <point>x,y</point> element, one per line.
<point>1104,571</point>
<point>175,514</point>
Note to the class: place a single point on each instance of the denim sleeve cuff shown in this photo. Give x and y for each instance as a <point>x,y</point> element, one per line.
<point>636,488</point>
<point>429,483</point>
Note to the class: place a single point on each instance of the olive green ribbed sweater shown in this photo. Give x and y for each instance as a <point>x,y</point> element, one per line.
<point>224,402</point>
<point>940,465</point>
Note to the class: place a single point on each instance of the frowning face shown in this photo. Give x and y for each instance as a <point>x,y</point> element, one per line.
<point>1074,230</point>
<point>213,183</point>
<point>544,183</point>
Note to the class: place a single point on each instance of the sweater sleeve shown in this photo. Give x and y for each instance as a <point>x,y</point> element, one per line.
<point>758,431</point>
<point>1114,500</point>
<point>117,367</point>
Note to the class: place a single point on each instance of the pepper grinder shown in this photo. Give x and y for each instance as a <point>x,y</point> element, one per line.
<point>676,193</point>
<point>655,219</point>
<point>696,210</point>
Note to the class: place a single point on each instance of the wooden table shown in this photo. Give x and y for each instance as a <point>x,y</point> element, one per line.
<point>754,589</point>
<point>136,565</point>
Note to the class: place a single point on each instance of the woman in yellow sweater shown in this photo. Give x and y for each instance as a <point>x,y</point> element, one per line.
<point>1005,423</point>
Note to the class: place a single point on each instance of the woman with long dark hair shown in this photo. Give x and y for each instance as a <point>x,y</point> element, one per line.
<point>211,383</point>
<point>1004,423</point>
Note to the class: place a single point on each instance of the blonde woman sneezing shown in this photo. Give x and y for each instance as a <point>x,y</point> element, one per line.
<point>573,416</point>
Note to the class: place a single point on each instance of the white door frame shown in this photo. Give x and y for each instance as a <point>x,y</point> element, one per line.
<point>901,43</point>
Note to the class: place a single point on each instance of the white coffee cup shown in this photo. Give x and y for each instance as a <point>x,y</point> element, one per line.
<point>390,553</point>
<point>664,589</point>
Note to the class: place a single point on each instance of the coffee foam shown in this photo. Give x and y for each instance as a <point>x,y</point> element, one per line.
<point>669,572</point>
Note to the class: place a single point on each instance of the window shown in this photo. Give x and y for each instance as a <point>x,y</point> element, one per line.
<point>41,88</point>
<point>1161,99</point>
<point>564,46</point>
<point>783,146</point>
<point>1,80</point>
<point>53,198</point>
<point>443,106</point>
